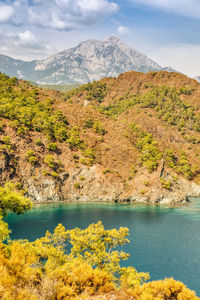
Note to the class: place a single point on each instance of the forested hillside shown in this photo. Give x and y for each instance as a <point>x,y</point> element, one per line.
<point>133,138</point>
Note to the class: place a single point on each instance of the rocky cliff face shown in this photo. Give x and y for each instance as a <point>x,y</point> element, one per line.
<point>98,188</point>
<point>90,60</point>
<point>91,184</point>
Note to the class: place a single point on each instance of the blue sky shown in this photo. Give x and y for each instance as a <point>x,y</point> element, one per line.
<point>167,31</point>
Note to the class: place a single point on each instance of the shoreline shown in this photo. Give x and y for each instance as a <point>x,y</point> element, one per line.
<point>185,203</point>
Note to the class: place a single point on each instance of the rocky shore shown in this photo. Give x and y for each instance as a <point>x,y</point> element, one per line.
<point>89,184</point>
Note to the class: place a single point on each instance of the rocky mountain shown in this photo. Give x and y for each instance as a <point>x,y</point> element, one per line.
<point>134,138</point>
<point>90,60</point>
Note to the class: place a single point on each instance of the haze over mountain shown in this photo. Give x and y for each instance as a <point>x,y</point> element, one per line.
<point>90,60</point>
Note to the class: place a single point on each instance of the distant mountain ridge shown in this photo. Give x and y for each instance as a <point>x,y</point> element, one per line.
<point>90,60</point>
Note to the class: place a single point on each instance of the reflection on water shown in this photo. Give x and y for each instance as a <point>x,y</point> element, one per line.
<point>163,241</point>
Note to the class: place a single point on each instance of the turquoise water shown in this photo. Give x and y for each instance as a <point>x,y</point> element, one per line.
<point>163,241</point>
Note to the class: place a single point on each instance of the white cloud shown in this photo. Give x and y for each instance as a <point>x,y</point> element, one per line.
<point>17,43</point>
<point>190,8</point>
<point>6,12</point>
<point>26,37</point>
<point>62,14</point>
<point>123,30</point>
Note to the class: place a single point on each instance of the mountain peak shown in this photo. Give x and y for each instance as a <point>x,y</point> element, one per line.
<point>112,38</point>
<point>90,60</point>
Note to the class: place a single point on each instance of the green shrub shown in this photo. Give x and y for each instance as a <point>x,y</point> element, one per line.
<point>191,139</point>
<point>38,142</point>
<point>95,90</point>
<point>148,148</point>
<point>22,130</point>
<point>116,109</point>
<point>33,160</point>
<point>75,156</point>
<point>30,153</point>
<point>6,140</point>
<point>89,152</point>
<point>52,147</point>
<point>1,127</point>
<point>74,137</point>
<point>77,185</point>
<point>133,170</point>
<point>6,145</point>
<point>89,123</point>
<point>166,184</point>
<point>30,156</point>
<point>86,161</point>
<point>170,158</point>
<point>98,127</point>
<point>106,171</point>
<point>46,172</point>
<point>150,154</point>
<point>185,168</point>
<point>54,174</point>
<point>50,161</point>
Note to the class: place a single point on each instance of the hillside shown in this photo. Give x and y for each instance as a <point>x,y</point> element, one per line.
<point>133,138</point>
<point>88,61</point>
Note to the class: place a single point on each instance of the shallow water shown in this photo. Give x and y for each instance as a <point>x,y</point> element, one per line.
<point>163,241</point>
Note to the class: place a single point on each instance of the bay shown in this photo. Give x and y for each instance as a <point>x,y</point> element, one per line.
<point>163,241</point>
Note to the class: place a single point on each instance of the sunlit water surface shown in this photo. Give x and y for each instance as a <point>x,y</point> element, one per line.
<point>163,241</point>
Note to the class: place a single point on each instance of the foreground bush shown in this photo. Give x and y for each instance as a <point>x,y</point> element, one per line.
<point>168,289</point>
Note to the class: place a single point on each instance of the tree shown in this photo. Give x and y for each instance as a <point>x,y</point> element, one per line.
<point>12,200</point>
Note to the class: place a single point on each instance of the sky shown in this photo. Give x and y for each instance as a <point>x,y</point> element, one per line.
<point>167,31</point>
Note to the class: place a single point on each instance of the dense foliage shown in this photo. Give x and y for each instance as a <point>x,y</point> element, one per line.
<point>11,199</point>
<point>148,147</point>
<point>96,90</point>
<point>21,105</point>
